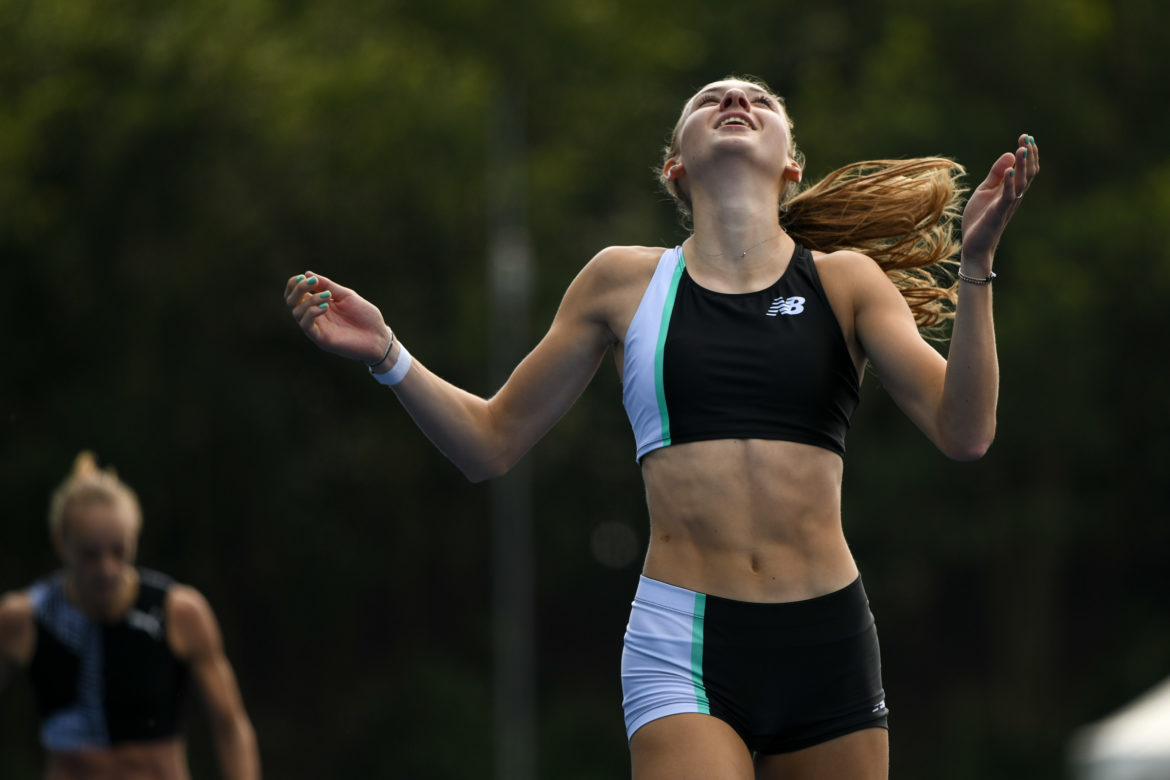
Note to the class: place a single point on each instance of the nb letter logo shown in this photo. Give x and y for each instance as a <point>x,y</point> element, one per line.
<point>782,305</point>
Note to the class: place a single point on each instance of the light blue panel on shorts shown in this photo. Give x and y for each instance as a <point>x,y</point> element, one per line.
<point>662,659</point>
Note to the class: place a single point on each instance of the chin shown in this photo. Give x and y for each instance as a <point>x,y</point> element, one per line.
<point>104,593</point>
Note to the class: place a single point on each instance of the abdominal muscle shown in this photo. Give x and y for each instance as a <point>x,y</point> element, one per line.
<point>162,760</point>
<point>747,519</point>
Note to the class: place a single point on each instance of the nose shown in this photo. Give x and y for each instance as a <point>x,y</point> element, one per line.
<point>111,566</point>
<point>733,98</point>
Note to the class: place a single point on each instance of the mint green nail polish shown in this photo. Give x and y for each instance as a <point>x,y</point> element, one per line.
<point>323,306</point>
<point>312,280</point>
<point>1011,172</point>
<point>301,278</point>
<point>1031,140</point>
<point>326,294</point>
<point>1025,154</point>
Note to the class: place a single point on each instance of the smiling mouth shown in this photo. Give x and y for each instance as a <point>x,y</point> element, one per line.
<point>733,121</point>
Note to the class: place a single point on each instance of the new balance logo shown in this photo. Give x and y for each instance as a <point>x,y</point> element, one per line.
<point>782,305</point>
<point>144,621</point>
<point>879,706</point>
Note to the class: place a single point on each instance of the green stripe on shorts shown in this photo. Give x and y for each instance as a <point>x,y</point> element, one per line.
<point>704,706</point>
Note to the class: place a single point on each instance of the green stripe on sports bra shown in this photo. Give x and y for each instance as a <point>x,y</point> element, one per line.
<point>664,325</point>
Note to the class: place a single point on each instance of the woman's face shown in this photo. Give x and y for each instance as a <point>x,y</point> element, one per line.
<point>737,117</point>
<point>98,542</point>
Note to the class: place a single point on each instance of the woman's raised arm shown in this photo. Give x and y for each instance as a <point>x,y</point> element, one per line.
<point>952,401</point>
<point>484,437</point>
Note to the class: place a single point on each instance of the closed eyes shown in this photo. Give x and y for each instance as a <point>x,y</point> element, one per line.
<point>709,98</point>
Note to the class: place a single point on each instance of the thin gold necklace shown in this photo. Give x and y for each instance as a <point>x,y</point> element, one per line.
<point>741,254</point>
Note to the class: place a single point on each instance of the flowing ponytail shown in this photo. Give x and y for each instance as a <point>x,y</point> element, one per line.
<point>899,212</point>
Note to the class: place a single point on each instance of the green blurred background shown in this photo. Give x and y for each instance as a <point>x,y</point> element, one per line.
<point>165,167</point>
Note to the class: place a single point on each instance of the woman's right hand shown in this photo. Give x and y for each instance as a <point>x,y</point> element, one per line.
<point>336,318</point>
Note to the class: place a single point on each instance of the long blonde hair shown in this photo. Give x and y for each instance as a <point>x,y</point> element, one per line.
<point>86,483</point>
<point>901,213</point>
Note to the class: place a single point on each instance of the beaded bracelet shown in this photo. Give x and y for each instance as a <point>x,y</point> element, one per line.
<point>385,354</point>
<point>973,280</point>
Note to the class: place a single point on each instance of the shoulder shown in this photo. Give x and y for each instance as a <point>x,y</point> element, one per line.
<point>617,266</point>
<point>606,291</point>
<point>852,279</point>
<point>16,609</point>
<point>847,266</point>
<point>624,256</point>
<point>191,624</point>
<point>846,275</point>
<point>17,625</point>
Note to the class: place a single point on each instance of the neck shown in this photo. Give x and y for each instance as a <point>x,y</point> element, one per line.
<point>744,251</point>
<point>737,213</point>
<point>105,610</point>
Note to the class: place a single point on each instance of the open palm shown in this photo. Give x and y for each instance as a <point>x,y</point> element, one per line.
<point>993,202</point>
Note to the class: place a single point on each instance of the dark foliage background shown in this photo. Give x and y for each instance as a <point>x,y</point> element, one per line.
<point>165,167</point>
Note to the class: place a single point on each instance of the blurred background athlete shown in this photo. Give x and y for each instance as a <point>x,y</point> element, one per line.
<point>110,648</point>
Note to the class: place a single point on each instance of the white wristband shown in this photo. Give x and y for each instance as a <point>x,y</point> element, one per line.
<point>398,373</point>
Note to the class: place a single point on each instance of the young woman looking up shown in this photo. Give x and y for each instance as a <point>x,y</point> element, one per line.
<point>751,650</point>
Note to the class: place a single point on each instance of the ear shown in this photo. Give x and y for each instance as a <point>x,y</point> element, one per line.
<point>673,169</point>
<point>792,172</point>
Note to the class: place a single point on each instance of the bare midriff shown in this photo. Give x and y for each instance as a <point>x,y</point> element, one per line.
<point>161,760</point>
<point>747,519</point>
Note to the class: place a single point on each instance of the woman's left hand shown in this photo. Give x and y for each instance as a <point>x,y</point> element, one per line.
<point>994,201</point>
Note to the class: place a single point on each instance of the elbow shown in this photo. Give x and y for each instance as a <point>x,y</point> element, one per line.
<point>966,439</point>
<point>968,450</point>
<point>490,456</point>
<point>969,454</point>
<point>234,732</point>
<point>475,475</point>
<point>481,470</point>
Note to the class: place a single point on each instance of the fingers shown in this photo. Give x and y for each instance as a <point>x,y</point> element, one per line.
<point>996,199</point>
<point>998,176</point>
<point>1012,173</point>
<point>1009,186</point>
<point>296,287</point>
<point>1028,143</point>
<point>306,295</point>
<point>1027,163</point>
<point>310,284</point>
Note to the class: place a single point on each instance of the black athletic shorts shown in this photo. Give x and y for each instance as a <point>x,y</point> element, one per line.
<point>785,676</point>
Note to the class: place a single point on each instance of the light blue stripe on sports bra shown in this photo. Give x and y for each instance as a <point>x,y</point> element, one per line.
<point>642,386</point>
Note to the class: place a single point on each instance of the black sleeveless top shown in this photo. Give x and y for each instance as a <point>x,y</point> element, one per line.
<point>99,684</point>
<point>769,364</point>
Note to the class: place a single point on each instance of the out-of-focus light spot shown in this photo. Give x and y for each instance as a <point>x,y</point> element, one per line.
<point>614,544</point>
